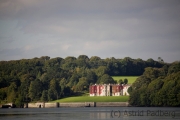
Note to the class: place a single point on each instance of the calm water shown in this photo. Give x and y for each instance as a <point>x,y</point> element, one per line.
<point>107,113</point>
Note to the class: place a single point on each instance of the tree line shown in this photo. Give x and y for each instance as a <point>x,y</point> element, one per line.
<point>157,87</point>
<point>46,79</point>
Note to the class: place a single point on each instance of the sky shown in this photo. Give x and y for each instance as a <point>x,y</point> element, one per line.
<point>105,28</point>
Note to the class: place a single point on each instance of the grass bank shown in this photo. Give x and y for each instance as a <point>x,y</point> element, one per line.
<point>94,99</point>
<point>131,79</point>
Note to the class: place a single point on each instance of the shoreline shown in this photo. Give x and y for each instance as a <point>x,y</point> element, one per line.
<point>72,104</point>
<point>77,104</point>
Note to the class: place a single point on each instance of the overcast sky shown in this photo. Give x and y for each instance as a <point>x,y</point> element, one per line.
<point>105,28</point>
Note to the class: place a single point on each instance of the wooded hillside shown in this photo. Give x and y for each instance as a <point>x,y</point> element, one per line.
<point>45,79</point>
<point>157,87</point>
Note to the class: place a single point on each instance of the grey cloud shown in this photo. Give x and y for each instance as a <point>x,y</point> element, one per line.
<point>104,28</point>
<point>9,54</point>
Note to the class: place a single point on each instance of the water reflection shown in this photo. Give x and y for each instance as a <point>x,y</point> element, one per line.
<point>99,115</point>
<point>104,113</point>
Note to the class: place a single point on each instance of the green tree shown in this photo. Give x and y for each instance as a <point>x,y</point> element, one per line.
<point>120,81</point>
<point>44,96</point>
<point>82,61</point>
<point>19,101</point>
<point>125,81</point>
<point>69,63</point>
<point>63,84</point>
<point>73,80</point>
<point>54,88</point>
<point>100,71</point>
<point>51,95</point>
<point>3,95</point>
<point>35,90</point>
<point>106,79</point>
<point>12,92</point>
<point>95,61</point>
<point>82,84</point>
<point>91,77</point>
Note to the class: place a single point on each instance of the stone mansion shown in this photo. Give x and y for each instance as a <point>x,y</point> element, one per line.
<point>108,90</point>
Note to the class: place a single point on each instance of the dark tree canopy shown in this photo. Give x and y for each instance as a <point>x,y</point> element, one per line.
<point>45,78</point>
<point>157,87</point>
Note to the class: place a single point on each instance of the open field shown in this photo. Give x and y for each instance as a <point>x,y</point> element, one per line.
<point>131,79</point>
<point>94,99</point>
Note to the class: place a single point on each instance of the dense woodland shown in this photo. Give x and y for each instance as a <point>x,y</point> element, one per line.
<point>45,79</point>
<point>157,87</point>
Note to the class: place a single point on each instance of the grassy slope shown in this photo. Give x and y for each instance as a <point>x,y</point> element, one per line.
<point>95,99</point>
<point>131,79</point>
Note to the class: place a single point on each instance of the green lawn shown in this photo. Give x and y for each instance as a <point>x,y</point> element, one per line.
<point>131,79</point>
<point>94,99</point>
